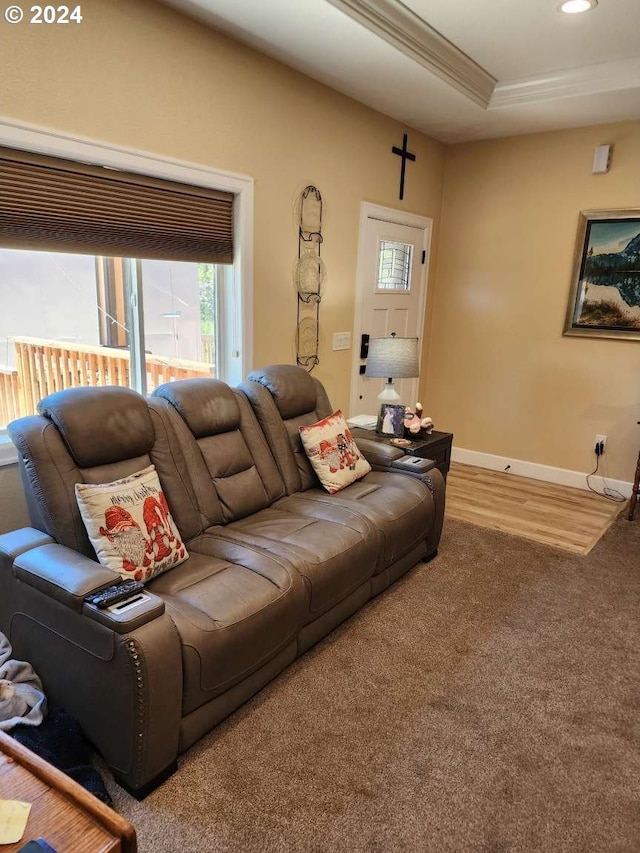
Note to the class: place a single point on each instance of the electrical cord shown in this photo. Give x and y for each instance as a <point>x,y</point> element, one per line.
<point>610,494</point>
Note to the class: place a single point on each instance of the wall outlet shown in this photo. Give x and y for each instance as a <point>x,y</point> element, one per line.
<point>601,442</point>
<point>342,340</point>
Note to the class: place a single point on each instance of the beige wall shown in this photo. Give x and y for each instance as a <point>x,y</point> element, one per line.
<point>501,375</point>
<point>139,75</point>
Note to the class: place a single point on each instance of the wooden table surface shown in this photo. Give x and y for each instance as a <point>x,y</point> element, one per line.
<point>66,815</point>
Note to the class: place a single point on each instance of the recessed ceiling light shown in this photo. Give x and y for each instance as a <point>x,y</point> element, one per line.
<point>573,7</point>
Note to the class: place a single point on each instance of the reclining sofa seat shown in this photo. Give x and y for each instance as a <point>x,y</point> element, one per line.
<point>145,685</point>
<point>239,495</point>
<point>407,511</point>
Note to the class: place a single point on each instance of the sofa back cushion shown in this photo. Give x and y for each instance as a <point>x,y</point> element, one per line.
<point>82,435</point>
<point>231,470</point>
<point>285,397</point>
<point>100,426</point>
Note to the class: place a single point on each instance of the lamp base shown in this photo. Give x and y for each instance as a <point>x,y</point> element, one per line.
<point>389,394</point>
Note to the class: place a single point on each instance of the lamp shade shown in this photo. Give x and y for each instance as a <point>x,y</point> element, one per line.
<point>393,357</point>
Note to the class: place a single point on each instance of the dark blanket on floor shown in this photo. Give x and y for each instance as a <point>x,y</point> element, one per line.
<point>60,741</point>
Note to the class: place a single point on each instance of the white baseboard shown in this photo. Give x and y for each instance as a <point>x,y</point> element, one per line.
<point>521,468</point>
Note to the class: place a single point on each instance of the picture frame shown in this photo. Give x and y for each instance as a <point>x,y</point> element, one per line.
<point>390,421</point>
<point>604,297</point>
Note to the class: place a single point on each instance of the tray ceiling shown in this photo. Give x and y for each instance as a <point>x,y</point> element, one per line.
<point>457,70</point>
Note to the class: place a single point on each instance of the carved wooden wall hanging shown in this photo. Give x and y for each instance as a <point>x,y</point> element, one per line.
<point>310,274</point>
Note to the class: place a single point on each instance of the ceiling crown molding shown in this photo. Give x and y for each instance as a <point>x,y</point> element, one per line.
<point>400,27</point>
<point>573,82</point>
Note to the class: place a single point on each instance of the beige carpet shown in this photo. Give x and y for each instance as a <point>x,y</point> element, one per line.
<point>489,701</point>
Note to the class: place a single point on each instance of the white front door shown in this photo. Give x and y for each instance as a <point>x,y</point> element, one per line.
<point>391,291</point>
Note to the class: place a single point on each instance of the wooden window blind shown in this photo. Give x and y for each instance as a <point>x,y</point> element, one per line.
<point>51,204</point>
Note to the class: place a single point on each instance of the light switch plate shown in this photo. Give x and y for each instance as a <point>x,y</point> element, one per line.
<point>342,340</point>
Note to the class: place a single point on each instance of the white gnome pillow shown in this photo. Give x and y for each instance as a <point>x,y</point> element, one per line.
<point>129,525</point>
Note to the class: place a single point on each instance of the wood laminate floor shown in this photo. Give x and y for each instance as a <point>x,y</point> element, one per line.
<point>571,519</point>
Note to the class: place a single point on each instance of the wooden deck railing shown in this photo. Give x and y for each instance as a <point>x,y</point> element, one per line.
<point>44,366</point>
<point>9,395</point>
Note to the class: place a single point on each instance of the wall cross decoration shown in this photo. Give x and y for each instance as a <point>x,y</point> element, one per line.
<point>406,155</point>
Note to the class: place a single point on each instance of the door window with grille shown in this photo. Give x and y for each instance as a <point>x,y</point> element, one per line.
<point>394,266</point>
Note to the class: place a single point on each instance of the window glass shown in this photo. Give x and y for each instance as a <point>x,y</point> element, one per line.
<point>179,306</point>
<point>70,320</point>
<point>394,266</point>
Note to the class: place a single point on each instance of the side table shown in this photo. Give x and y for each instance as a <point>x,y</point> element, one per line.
<point>436,446</point>
<point>66,815</point>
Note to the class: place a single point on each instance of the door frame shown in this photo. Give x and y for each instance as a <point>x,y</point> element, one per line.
<point>368,210</point>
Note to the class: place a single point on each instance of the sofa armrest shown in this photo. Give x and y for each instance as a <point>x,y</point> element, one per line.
<point>68,577</point>
<point>413,464</point>
<point>428,472</point>
<point>437,486</point>
<point>11,546</point>
<point>118,672</point>
<point>63,574</point>
<point>18,541</point>
<point>378,455</point>
<point>386,457</point>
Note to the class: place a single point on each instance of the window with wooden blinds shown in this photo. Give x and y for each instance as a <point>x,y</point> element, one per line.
<point>51,204</point>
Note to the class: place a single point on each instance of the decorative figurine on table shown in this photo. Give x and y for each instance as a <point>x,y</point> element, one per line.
<point>415,422</point>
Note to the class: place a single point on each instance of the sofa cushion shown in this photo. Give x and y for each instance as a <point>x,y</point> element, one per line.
<point>235,608</point>
<point>333,453</point>
<point>333,549</point>
<point>130,526</point>
<point>398,507</point>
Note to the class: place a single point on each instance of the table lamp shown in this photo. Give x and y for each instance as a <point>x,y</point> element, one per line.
<point>395,358</point>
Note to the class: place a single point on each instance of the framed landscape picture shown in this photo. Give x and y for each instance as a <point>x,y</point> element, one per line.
<point>604,300</point>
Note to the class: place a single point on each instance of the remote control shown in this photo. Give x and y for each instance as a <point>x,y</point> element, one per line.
<point>114,593</point>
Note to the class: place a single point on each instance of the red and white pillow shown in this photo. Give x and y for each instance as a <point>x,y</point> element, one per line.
<point>130,526</point>
<point>333,453</point>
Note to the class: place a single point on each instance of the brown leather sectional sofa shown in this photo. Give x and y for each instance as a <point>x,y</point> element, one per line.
<point>275,561</point>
